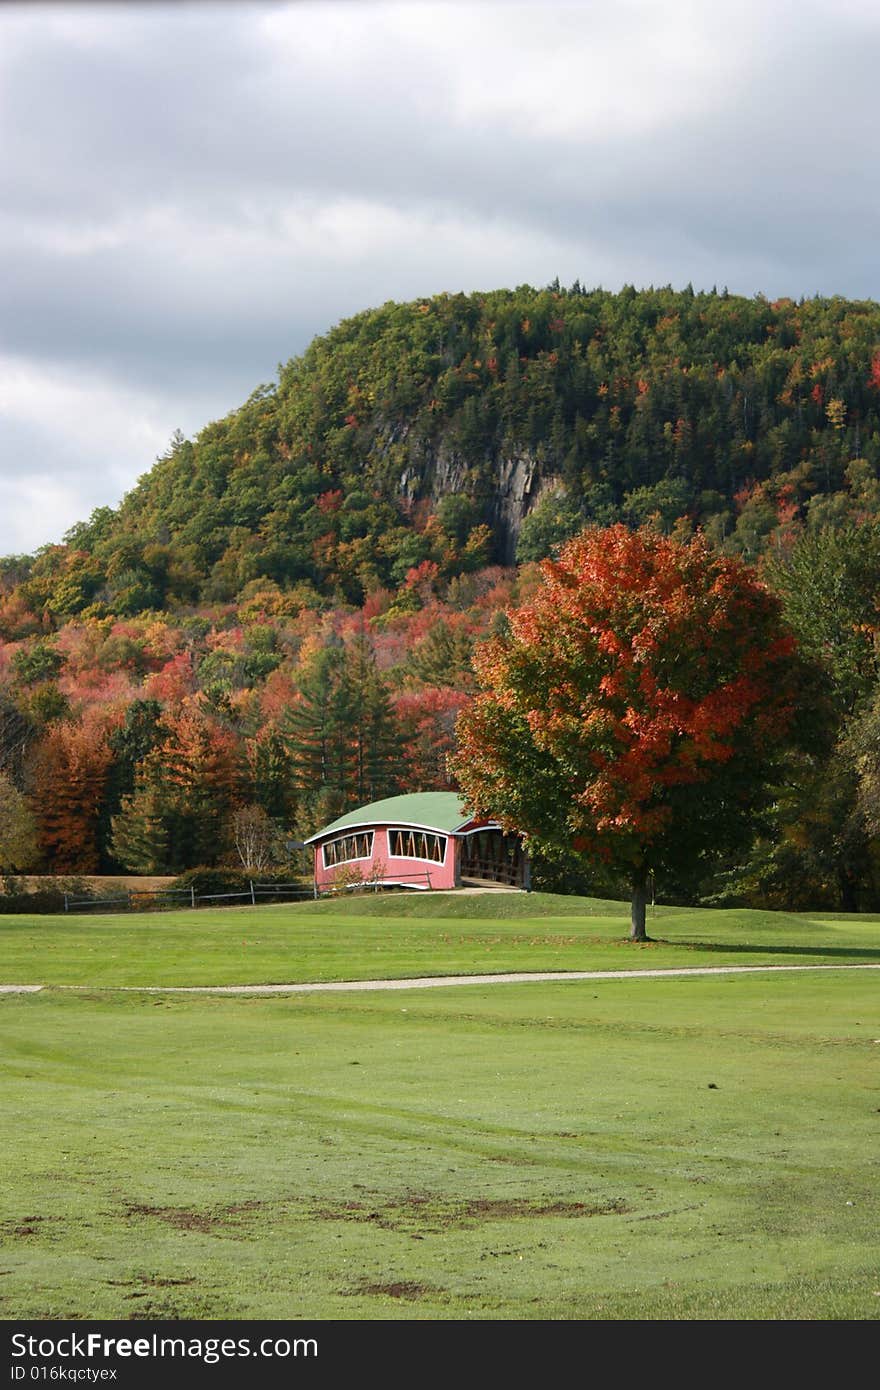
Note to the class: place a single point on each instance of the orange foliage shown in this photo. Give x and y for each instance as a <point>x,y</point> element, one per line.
<point>641,665</point>
<point>331,501</point>
<point>427,723</point>
<point>70,773</point>
<point>422,578</point>
<point>173,683</point>
<point>17,619</point>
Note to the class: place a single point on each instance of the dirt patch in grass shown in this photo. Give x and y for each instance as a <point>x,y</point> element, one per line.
<point>21,1227</point>
<point>158,1310</point>
<point>149,1281</point>
<point>405,1288</point>
<point>502,1209</point>
<point>433,1212</point>
<point>178,1217</point>
<point>183,1219</point>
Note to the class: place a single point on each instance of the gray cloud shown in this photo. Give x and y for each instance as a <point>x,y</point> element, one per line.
<point>192,192</point>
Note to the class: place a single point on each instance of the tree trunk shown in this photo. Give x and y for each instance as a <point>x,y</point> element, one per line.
<point>639,903</point>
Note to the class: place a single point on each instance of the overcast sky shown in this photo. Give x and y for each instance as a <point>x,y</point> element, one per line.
<point>191,192</point>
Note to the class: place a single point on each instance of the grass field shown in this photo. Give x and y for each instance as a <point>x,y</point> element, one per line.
<point>369,937</point>
<point>679,1148</point>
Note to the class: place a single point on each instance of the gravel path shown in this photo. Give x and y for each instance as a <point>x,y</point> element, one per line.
<point>525,977</point>
<point>444,981</point>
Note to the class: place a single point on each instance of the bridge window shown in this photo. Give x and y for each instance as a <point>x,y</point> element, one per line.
<point>347,848</point>
<point>417,844</point>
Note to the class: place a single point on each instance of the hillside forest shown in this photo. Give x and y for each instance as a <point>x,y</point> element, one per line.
<point>278,621</point>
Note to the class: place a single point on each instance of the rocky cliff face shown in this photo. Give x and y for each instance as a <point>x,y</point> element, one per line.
<point>507,487</point>
<point>521,484</point>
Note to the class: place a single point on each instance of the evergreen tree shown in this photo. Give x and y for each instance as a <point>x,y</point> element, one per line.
<point>270,773</point>
<point>186,789</point>
<point>317,729</point>
<point>129,745</point>
<point>139,830</point>
<point>18,831</point>
<point>341,736</point>
<point>374,738</point>
<point>443,657</point>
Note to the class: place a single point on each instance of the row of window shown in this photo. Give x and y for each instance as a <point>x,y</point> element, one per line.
<point>417,844</point>
<point>402,844</point>
<point>347,848</point>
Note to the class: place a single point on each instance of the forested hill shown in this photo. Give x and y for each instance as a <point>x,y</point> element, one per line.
<point>428,431</point>
<point>278,622</point>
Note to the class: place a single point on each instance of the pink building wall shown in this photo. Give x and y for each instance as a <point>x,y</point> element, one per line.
<point>390,867</point>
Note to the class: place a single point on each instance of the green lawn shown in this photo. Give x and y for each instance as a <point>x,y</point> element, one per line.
<point>680,1148</point>
<point>394,937</point>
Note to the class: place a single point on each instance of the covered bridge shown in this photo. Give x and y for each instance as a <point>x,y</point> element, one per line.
<point>422,840</point>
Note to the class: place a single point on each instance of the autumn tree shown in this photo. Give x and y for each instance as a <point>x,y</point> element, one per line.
<point>426,719</point>
<point>69,777</point>
<point>638,709</point>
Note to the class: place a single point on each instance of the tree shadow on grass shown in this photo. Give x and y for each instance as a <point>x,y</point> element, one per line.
<point>853,953</point>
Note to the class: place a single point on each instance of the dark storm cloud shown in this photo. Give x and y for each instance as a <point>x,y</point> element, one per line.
<point>192,192</point>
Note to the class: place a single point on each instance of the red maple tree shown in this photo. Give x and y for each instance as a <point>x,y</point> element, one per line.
<point>637,710</point>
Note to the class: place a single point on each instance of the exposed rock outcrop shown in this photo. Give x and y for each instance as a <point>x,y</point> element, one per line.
<point>507,487</point>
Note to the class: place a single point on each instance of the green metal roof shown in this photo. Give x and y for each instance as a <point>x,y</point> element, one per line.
<point>427,810</point>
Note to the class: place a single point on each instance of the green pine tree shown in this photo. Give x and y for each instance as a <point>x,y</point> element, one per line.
<point>139,830</point>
